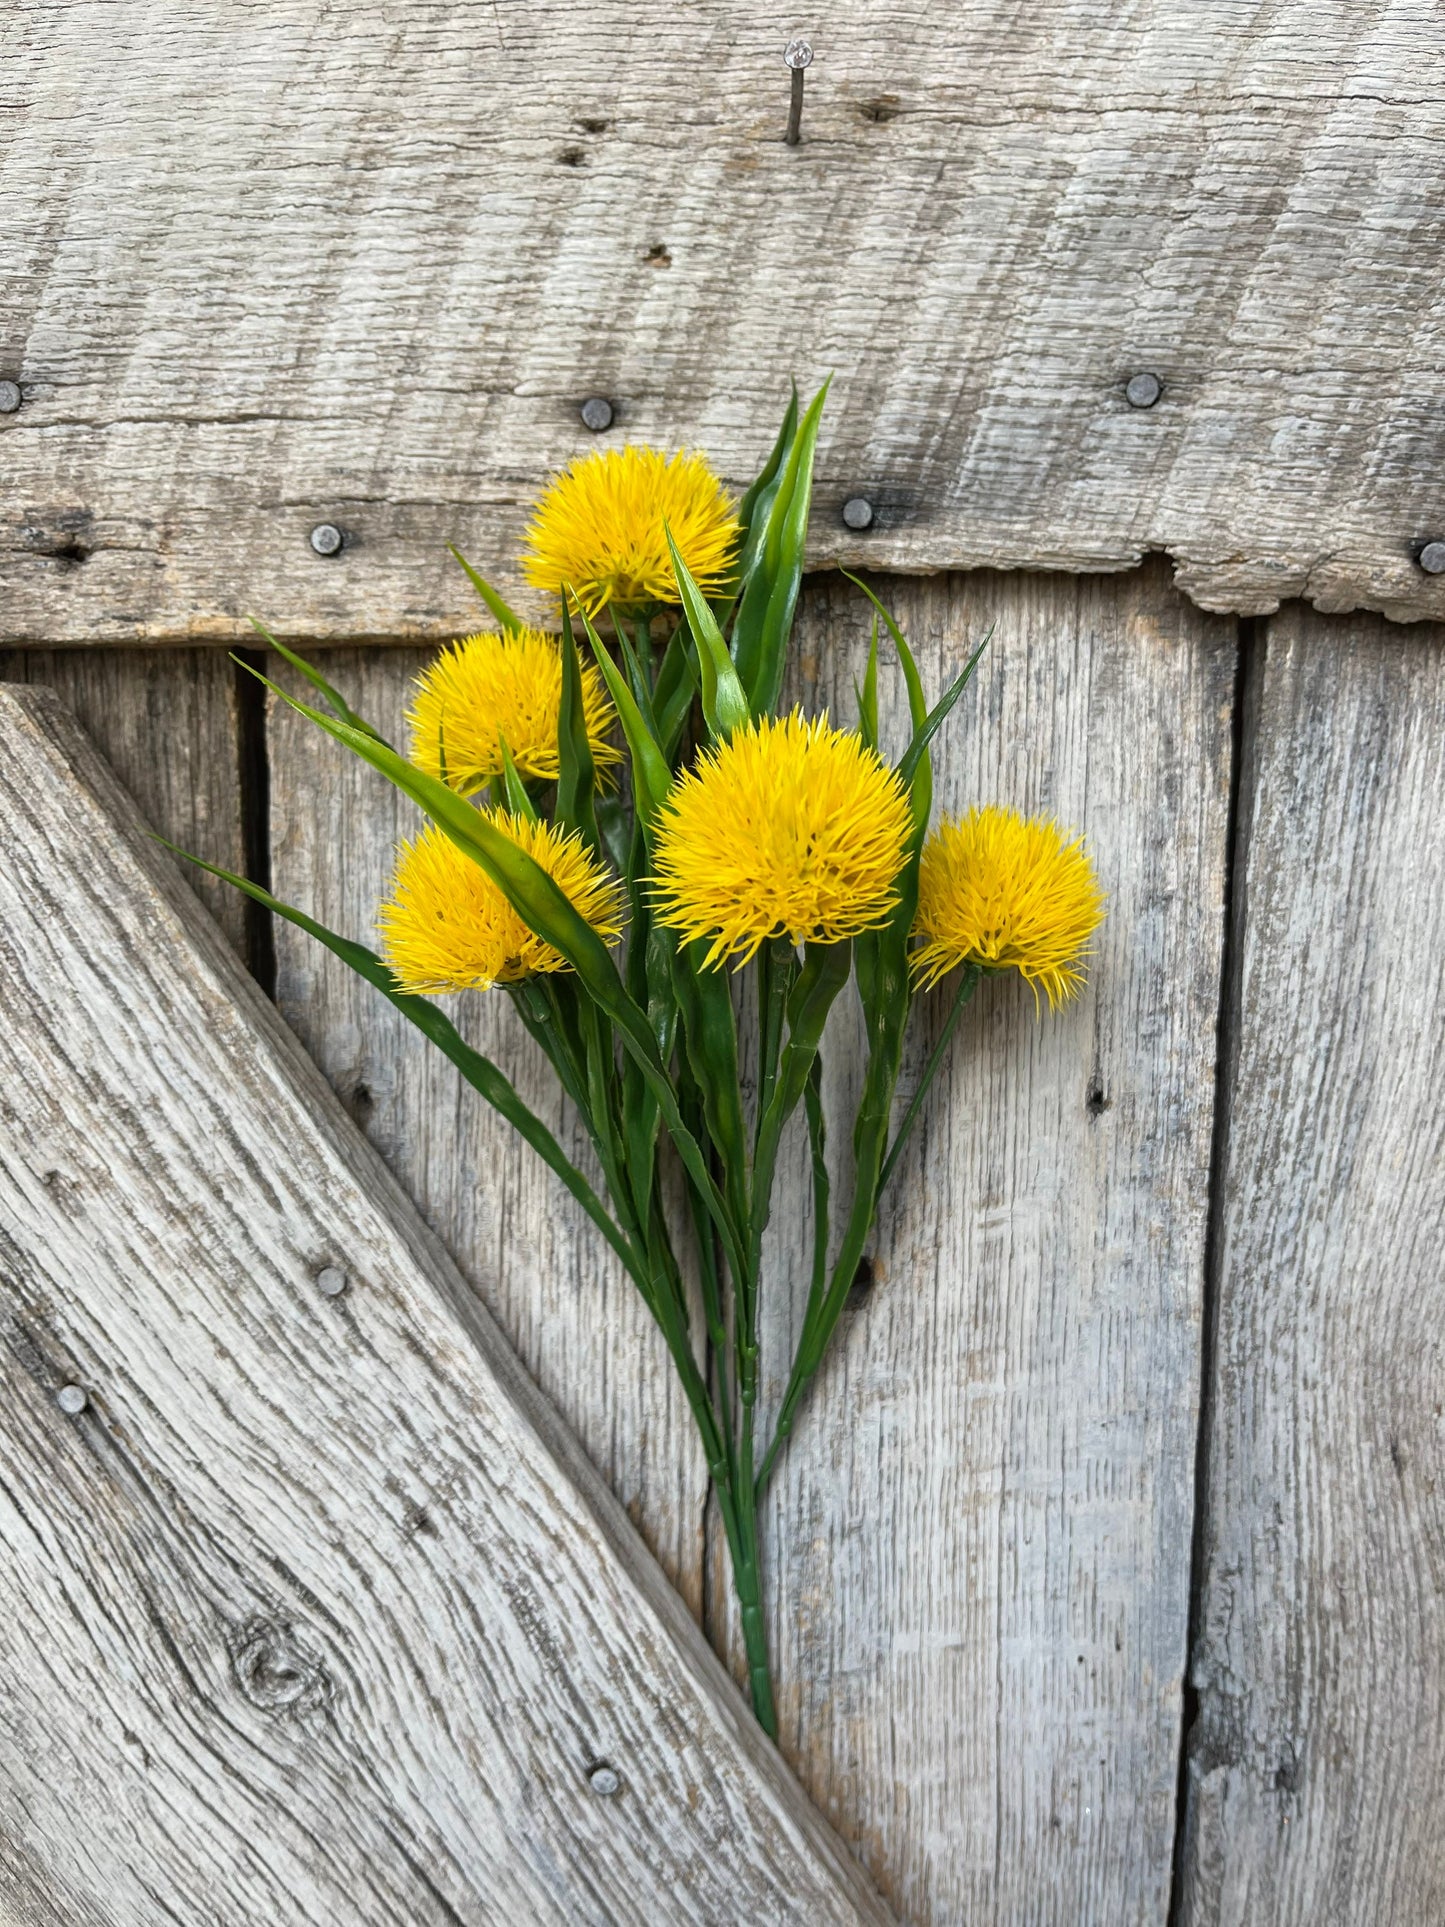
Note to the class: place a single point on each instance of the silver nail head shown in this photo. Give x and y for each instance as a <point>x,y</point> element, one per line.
<point>72,1399</point>
<point>9,397</point>
<point>1142,391</point>
<point>798,54</point>
<point>605,1781</point>
<point>1432,558</point>
<point>331,1281</point>
<point>596,414</point>
<point>858,513</point>
<point>326,538</point>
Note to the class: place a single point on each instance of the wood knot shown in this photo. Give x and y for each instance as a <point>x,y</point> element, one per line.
<point>274,1671</point>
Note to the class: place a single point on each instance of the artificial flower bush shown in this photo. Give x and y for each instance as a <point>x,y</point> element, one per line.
<point>626,838</point>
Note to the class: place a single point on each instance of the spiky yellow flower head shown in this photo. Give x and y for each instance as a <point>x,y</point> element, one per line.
<point>790,828</point>
<point>1007,892</point>
<point>599,527</point>
<point>490,687</point>
<point>447,926</point>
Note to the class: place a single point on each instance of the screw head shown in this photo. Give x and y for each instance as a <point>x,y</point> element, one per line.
<point>9,397</point>
<point>858,513</point>
<point>72,1399</point>
<point>604,1781</point>
<point>1432,558</point>
<point>596,413</point>
<point>798,54</point>
<point>326,538</point>
<point>331,1281</point>
<point>1142,391</point>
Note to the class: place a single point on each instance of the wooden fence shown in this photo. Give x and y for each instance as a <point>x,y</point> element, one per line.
<point>1107,1572</point>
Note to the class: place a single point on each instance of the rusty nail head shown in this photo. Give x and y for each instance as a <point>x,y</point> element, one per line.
<point>331,1281</point>
<point>9,397</point>
<point>858,513</point>
<point>72,1399</point>
<point>1142,391</point>
<point>596,414</point>
<point>605,1780</point>
<point>1432,558</point>
<point>326,538</point>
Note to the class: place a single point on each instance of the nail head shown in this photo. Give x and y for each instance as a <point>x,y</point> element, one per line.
<point>72,1399</point>
<point>326,538</point>
<point>798,54</point>
<point>1142,391</point>
<point>858,513</point>
<point>596,414</point>
<point>605,1781</point>
<point>1432,558</point>
<point>9,397</point>
<point>331,1281</point>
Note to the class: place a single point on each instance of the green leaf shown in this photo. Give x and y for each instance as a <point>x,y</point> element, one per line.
<point>576,766</point>
<point>924,733</point>
<point>333,700</point>
<point>754,507</point>
<point>764,619</point>
<point>511,622</point>
<point>868,695</point>
<point>651,775</point>
<point>921,789</point>
<point>709,1030</point>
<point>675,689</point>
<point>724,700</point>
<point>518,801</point>
<point>826,969</point>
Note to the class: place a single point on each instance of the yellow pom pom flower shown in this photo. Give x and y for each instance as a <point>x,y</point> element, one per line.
<point>1006,892</point>
<point>789,829</point>
<point>599,527</point>
<point>448,927</point>
<point>489,687</point>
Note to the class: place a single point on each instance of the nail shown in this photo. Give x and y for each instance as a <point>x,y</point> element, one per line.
<point>798,54</point>
<point>596,414</point>
<point>1432,558</point>
<point>858,513</point>
<point>605,1780</point>
<point>331,1281</point>
<point>326,538</point>
<point>1142,391</point>
<point>72,1399</point>
<point>9,397</point>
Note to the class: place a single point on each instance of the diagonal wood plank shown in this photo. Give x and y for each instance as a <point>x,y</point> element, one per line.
<point>315,1612</point>
<point>1318,1755</point>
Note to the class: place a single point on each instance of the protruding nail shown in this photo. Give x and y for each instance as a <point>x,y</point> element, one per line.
<point>72,1399</point>
<point>798,54</point>
<point>1432,558</point>
<point>331,1281</point>
<point>605,1780</point>
<point>9,397</point>
<point>596,413</point>
<point>326,538</point>
<point>858,513</point>
<point>1142,391</point>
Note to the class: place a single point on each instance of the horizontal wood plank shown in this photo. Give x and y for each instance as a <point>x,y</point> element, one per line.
<point>314,1612</point>
<point>308,264</point>
<point>1318,1755</point>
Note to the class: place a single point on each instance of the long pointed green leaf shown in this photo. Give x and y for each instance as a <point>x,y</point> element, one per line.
<point>518,801</point>
<point>937,716</point>
<point>651,775</point>
<point>333,699</point>
<point>764,619</point>
<point>921,784</point>
<point>724,700</point>
<point>868,695</point>
<point>576,766</point>
<point>509,620</point>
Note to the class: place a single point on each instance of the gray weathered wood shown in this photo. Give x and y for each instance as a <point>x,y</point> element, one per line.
<point>165,720</point>
<point>1318,1758</point>
<point>318,263</point>
<point>316,1613</point>
<point>562,1298</point>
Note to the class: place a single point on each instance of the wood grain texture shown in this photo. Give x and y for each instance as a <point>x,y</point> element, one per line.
<point>312,262</point>
<point>978,1543</point>
<point>166,722</point>
<point>563,1300</point>
<point>316,1613</point>
<point>1318,1756</point>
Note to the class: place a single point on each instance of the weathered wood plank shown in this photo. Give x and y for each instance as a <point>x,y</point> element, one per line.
<point>1318,1756</point>
<point>561,1297</point>
<point>978,1544</point>
<point>319,264</point>
<point>166,722</point>
<point>315,1613</point>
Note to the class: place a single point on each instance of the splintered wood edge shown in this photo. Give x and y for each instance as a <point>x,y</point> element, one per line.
<point>78,766</point>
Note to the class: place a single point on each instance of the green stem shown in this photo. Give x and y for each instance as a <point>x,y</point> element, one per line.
<point>967,984</point>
